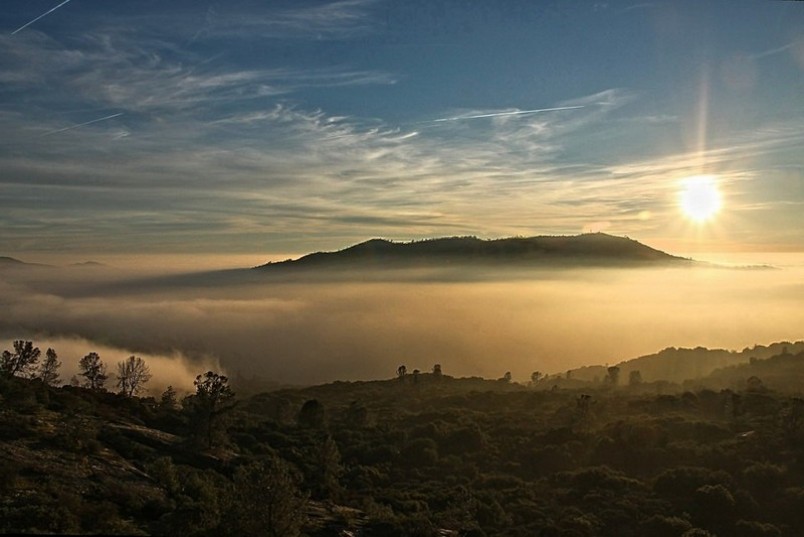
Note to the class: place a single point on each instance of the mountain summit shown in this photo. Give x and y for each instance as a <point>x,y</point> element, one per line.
<point>590,249</point>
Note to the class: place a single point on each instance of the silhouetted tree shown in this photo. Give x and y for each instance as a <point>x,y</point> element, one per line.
<point>212,399</point>
<point>311,414</point>
<point>437,370</point>
<point>132,375</point>
<point>168,398</point>
<point>536,376</point>
<point>754,384</point>
<point>634,378</point>
<point>49,371</point>
<point>267,500</point>
<point>93,370</point>
<point>22,361</point>
<point>613,375</point>
<point>506,377</point>
<point>416,373</point>
<point>401,371</point>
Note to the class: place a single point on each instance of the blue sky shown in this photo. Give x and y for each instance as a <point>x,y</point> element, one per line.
<point>259,126</point>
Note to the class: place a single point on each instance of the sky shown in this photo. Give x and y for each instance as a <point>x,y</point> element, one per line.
<point>262,128</point>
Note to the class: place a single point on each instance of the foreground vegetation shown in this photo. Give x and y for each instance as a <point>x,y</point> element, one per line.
<point>422,454</point>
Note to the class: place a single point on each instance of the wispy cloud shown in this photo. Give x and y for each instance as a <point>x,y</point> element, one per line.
<point>328,21</point>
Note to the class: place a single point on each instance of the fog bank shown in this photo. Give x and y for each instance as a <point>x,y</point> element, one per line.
<point>313,332</point>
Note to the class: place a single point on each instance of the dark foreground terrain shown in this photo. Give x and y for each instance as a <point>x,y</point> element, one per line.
<point>421,454</point>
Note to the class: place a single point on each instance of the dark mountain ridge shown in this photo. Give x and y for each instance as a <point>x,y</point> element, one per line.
<point>590,249</point>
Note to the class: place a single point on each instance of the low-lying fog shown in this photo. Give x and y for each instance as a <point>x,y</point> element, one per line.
<point>317,331</point>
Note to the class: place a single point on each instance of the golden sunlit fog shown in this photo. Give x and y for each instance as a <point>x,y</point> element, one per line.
<point>482,323</point>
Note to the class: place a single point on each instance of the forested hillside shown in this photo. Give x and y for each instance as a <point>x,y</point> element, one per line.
<point>419,454</point>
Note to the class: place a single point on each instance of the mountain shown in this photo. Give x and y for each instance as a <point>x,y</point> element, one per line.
<point>591,249</point>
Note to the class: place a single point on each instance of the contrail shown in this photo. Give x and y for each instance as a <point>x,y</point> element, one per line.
<point>83,124</point>
<point>39,17</point>
<point>498,114</point>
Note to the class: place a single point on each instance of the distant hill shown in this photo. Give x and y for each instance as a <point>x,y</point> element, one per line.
<point>784,371</point>
<point>10,262</point>
<point>591,249</point>
<point>679,364</point>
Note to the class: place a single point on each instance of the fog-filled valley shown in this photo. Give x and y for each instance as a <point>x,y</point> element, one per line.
<point>307,329</point>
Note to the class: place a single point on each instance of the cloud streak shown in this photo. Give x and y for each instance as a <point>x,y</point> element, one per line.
<point>505,114</point>
<point>72,127</point>
<point>39,17</point>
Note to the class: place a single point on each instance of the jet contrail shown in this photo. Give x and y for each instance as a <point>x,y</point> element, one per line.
<point>39,17</point>
<point>498,114</point>
<point>83,124</point>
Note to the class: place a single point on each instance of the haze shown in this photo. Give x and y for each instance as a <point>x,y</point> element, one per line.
<point>473,323</point>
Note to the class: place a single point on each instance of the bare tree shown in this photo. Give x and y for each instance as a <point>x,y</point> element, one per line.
<point>93,370</point>
<point>22,361</point>
<point>132,375</point>
<point>49,372</point>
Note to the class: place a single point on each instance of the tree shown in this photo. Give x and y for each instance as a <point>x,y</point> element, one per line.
<point>49,372</point>
<point>634,378</point>
<point>168,398</point>
<point>536,376</point>
<point>613,375</point>
<point>93,370</point>
<point>211,400</point>
<point>506,377</point>
<point>401,371</point>
<point>311,414</point>
<point>22,361</point>
<point>132,375</point>
<point>437,370</point>
<point>267,500</point>
<point>328,469</point>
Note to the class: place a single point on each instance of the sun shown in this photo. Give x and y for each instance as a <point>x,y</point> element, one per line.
<point>699,198</point>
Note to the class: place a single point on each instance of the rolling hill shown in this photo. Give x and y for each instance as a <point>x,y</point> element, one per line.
<point>591,249</point>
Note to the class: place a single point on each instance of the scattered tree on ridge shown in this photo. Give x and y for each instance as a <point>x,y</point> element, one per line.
<point>634,378</point>
<point>49,371</point>
<point>93,370</point>
<point>613,375</point>
<point>401,371</point>
<point>168,398</point>
<point>132,375</point>
<point>22,361</point>
<point>211,400</point>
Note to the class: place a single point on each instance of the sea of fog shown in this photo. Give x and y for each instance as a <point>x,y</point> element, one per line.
<point>365,326</point>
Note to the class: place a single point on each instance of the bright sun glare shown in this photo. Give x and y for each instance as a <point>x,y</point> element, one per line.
<point>699,198</point>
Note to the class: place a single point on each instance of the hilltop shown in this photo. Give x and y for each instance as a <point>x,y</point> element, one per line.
<point>590,249</point>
